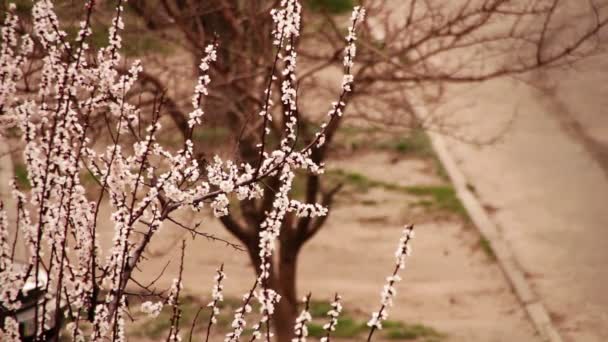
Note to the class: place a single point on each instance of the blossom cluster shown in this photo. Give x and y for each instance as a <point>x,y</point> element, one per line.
<point>139,179</point>
<point>201,88</point>
<point>300,328</point>
<point>388,291</point>
<point>350,51</point>
<point>152,309</point>
<point>287,25</point>
<point>10,330</point>
<point>333,314</point>
<point>217,296</point>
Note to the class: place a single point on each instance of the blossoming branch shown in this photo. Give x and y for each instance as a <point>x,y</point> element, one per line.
<point>141,180</point>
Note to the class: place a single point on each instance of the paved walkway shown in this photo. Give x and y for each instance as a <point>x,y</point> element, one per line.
<point>546,190</point>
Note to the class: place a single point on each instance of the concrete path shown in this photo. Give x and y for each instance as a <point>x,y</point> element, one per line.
<point>544,188</point>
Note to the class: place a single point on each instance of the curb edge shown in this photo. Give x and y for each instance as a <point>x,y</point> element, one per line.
<point>536,311</point>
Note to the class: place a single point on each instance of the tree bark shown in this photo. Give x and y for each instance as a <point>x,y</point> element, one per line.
<point>284,319</point>
<point>286,310</point>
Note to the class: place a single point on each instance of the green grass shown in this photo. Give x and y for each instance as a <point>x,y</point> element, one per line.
<point>88,179</point>
<point>486,247</point>
<point>298,187</point>
<point>21,176</point>
<point>359,180</point>
<point>331,6</point>
<point>316,330</point>
<point>347,327</point>
<point>441,197</point>
<point>350,328</point>
<point>210,134</point>
<point>401,331</point>
<point>97,39</point>
<point>137,40</point>
<point>355,180</point>
<point>369,202</point>
<point>416,143</point>
<point>156,328</point>
<point>24,7</point>
<point>471,188</point>
<point>440,170</point>
<point>319,309</point>
<point>137,45</point>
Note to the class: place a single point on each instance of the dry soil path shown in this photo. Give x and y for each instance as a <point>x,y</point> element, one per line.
<point>545,187</point>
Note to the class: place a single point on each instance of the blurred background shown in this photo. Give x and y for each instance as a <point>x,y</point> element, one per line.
<point>512,92</point>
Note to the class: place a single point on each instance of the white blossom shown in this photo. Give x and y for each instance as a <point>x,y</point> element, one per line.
<point>139,180</point>
<point>201,88</point>
<point>152,309</point>
<point>300,327</point>
<point>10,331</point>
<point>333,314</point>
<point>389,291</point>
<point>217,295</point>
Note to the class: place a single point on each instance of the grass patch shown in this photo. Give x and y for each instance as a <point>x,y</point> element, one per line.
<point>21,176</point>
<point>369,202</point>
<point>97,39</point>
<point>441,197</point>
<point>298,187</point>
<point>486,247</point>
<point>319,309</point>
<point>156,328</point>
<point>416,143</point>
<point>348,327</point>
<point>137,45</point>
<point>358,180</point>
<point>440,170</point>
<point>88,179</point>
<point>210,134</point>
<point>137,40</point>
<point>331,6</point>
<point>23,7</point>
<point>425,203</point>
<point>316,330</point>
<point>471,188</point>
<point>355,180</point>
<point>401,331</point>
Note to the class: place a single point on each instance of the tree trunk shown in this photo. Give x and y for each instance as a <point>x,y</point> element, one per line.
<point>286,310</point>
<point>284,319</point>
